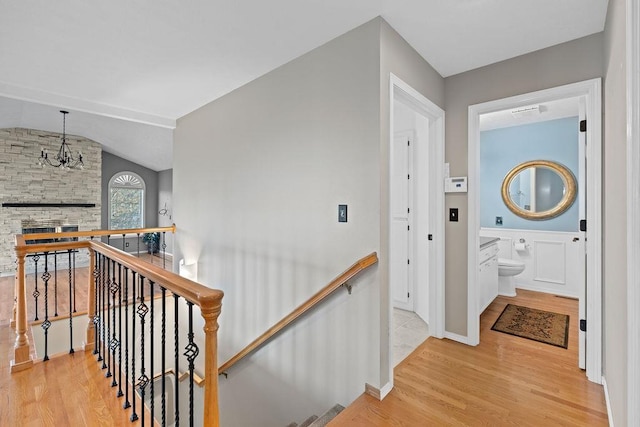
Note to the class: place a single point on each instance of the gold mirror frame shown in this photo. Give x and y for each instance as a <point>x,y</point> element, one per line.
<point>567,200</point>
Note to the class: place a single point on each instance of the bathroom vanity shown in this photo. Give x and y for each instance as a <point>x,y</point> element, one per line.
<point>488,272</point>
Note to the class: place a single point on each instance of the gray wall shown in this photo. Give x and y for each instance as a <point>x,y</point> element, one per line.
<point>112,164</point>
<point>614,212</point>
<point>257,210</point>
<point>566,63</point>
<point>165,201</point>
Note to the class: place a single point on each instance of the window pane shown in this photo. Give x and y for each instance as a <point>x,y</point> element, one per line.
<point>126,208</point>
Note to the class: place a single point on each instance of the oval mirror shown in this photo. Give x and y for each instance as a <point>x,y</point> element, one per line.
<point>539,189</point>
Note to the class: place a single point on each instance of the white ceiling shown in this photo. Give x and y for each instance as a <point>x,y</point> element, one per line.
<point>148,63</point>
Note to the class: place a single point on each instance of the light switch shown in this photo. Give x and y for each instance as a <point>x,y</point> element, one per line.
<point>453,214</point>
<point>342,213</point>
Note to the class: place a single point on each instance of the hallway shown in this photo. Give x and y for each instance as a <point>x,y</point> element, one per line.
<point>506,380</point>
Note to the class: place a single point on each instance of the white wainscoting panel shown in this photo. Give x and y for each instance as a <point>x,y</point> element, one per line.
<point>554,261</point>
<point>549,261</point>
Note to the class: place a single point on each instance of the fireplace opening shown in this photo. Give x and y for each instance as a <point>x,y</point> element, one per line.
<point>33,227</point>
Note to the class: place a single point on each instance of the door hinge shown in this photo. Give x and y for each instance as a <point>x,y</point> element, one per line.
<point>408,228</point>
<point>407,294</point>
<point>408,176</point>
<point>408,142</point>
<point>408,210</point>
<point>583,125</point>
<point>583,225</point>
<point>430,237</point>
<point>583,325</point>
<point>408,262</point>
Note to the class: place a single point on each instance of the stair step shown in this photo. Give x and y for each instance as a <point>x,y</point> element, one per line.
<point>327,416</point>
<point>292,425</point>
<point>309,421</point>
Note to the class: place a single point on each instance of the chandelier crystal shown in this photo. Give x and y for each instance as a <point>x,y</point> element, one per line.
<point>64,158</point>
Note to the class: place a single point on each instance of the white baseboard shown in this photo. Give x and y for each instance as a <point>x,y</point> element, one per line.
<point>606,399</point>
<point>378,393</point>
<point>455,337</point>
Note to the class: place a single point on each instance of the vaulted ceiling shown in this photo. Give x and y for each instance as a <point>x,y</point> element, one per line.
<point>128,69</point>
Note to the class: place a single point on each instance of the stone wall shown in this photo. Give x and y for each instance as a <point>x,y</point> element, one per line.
<point>22,180</point>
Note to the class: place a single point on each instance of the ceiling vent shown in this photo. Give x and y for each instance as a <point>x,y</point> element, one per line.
<point>531,110</point>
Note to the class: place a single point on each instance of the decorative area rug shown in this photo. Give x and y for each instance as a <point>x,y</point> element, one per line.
<point>538,325</point>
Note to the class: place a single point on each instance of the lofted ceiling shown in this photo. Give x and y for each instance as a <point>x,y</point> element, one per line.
<point>127,70</point>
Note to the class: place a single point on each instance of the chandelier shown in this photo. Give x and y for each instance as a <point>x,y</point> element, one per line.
<point>64,158</point>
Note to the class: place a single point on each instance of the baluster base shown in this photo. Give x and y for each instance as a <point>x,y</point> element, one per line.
<point>22,359</point>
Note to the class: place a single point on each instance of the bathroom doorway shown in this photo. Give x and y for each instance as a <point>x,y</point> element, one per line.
<point>588,291</point>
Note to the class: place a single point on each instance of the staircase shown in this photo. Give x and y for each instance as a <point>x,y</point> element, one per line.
<point>323,420</point>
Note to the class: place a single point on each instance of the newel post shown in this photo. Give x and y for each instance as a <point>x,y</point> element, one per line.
<point>21,356</point>
<point>210,309</point>
<point>91,302</point>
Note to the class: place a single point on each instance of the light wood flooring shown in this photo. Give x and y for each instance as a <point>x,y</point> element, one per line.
<point>67,390</point>
<point>504,381</point>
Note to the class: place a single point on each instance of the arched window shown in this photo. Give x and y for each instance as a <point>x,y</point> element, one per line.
<point>126,201</point>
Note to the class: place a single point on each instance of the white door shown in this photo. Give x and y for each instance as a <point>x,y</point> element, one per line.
<point>401,216</point>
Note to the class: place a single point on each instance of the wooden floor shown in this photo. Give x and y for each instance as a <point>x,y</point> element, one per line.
<point>53,393</point>
<point>504,381</point>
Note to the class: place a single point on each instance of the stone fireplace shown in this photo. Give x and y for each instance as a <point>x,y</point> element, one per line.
<point>32,195</point>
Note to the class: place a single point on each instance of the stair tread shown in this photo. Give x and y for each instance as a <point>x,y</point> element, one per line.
<point>327,416</point>
<point>309,421</point>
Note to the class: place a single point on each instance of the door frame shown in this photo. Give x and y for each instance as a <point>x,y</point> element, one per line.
<point>399,90</point>
<point>591,90</point>
<point>633,211</point>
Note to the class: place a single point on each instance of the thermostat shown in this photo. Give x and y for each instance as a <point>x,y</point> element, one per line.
<point>456,184</point>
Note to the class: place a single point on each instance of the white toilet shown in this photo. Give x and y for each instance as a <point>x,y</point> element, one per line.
<point>507,269</point>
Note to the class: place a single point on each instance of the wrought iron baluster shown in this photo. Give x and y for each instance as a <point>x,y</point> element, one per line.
<point>191,352</point>
<point>138,245</point>
<point>55,282</point>
<point>134,415</point>
<point>143,380</point>
<point>163,354</point>
<point>113,341</point>
<point>105,262</point>
<point>46,324</point>
<point>36,292</point>
<point>126,404</point>
<point>164,250</point>
<point>96,315</point>
<point>108,328</point>
<point>120,393</point>
<point>123,242</point>
<point>74,280</point>
<point>100,304</point>
<point>176,349</point>
<point>71,351</point>
<point>152,348</point>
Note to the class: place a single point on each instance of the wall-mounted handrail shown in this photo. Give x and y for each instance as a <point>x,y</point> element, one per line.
<point>339,281</point>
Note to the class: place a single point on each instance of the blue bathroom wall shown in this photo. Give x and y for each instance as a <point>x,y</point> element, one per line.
<point>502,149</point>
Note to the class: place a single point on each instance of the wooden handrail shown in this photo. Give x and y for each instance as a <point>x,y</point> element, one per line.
<point>96,233</point>
<point>342,279</point>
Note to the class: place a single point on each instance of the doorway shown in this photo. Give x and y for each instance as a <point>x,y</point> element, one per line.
<point>416,212</point>
<point>590,298</point>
